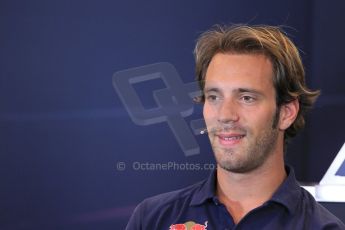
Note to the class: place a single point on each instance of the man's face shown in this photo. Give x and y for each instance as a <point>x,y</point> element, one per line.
<point>240,110</point>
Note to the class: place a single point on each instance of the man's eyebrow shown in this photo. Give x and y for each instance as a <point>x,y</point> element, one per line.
<point>238,90</point>
<point>211,89</point>
<point>248,90</point>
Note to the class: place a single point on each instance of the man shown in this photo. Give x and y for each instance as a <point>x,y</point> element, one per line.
<point>255,99</point>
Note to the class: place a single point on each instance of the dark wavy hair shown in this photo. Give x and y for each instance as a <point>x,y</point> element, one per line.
<point>271,41</point>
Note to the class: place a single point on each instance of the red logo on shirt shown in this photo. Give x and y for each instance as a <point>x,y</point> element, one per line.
<point>190,225</point>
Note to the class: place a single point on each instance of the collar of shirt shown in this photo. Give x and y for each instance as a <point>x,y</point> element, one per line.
<point>286,195</point>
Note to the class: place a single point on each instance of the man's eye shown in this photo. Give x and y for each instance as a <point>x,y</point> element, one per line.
<point>247,99</point>
<point>211,97</point>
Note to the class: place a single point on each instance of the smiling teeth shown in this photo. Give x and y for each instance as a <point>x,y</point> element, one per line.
<point>232,138</point>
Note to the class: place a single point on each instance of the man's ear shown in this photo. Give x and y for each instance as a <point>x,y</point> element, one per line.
<point>288,114</point>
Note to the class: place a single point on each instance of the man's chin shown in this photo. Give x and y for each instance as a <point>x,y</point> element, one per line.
<point>240,168</point>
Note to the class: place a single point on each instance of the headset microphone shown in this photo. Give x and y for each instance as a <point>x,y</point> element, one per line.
<point>203,131</point>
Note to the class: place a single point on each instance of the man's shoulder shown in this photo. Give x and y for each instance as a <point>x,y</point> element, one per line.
<point>147,213</point>
<point>319,215</point>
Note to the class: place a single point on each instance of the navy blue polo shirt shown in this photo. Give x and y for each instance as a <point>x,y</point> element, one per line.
<point>197,207</point>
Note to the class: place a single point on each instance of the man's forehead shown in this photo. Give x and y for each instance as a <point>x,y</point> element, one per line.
<point>239,70</point>
<point>240,63</point>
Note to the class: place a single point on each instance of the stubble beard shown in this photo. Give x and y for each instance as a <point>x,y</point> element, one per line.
<point>252,155</point>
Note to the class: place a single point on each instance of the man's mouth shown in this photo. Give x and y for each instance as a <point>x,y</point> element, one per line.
<point>230,139</point>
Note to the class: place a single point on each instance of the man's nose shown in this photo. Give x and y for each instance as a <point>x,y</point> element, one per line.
<point>228,112</point>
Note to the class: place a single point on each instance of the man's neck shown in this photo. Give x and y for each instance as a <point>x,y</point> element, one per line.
<point>242,192</point>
